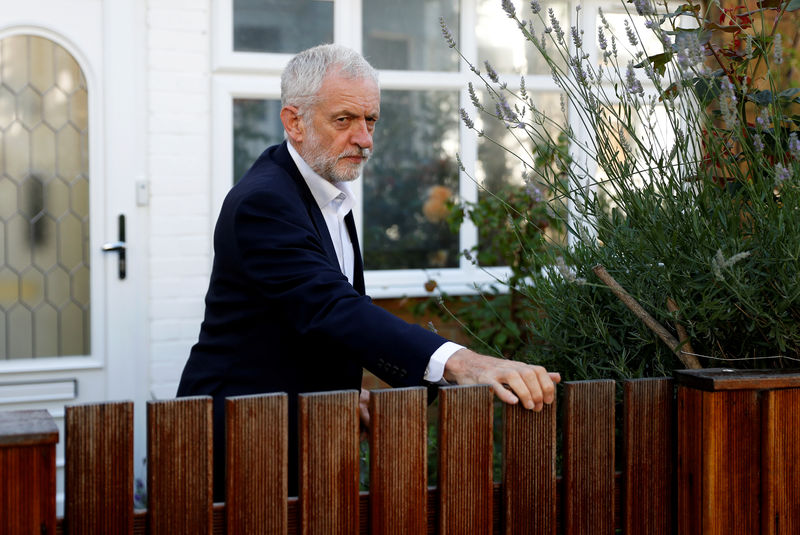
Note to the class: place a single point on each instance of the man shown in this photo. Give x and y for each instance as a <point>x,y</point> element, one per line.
<point>285,309</point>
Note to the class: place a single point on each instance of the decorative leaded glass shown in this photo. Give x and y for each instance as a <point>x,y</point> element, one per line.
<point>44,201</point>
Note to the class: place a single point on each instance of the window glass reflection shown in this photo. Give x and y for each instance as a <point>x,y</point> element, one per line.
<point>407,36</point>
<point>281,26</point>
<point>256,126</point>
<point>502,44</point>
<point>410,180</point>
<point>500,173</point>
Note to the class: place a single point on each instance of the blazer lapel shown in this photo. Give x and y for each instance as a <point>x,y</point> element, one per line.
<point>358,268</point>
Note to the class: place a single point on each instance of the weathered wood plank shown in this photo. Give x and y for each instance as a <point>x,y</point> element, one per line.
<point>256,431</point>
<point>398,461</point>
<point>99,468</point>
<point>589,457</point>
<point>179,466</point>
<point>529,470</point>
<point>465,460</point>
<point>329,482</point>
<point>731,454</point>
<point>649,472</point>
<point>780,473</point>
<point>27,472</point>
<point>690,460</point>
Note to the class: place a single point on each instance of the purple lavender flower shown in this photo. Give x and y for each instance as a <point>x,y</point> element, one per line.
<point>763,121</point>
<point>576,36</point>
<point>782,174</point>
<point>601,38</point>
<point>634,86</point>
<point>631,34</point>
<point>473,96</point>
<point>555,24</point>
<point>794,146</point>
<point>777,50</point>
<point>447,35</point>
<point>535,7</point>
<point>758,144</point>
<point>491,72</point>
<point>467,121</point>
<point>508,7</point>
<point>643,7</point>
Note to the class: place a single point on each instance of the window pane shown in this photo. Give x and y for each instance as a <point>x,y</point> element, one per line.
<point>44,201</point>
<point>407,36</point>
<point>500,172</point>
<point>409,180</point>
<point>256,126</point>
<point>281,26</point>
<point>501,42</point>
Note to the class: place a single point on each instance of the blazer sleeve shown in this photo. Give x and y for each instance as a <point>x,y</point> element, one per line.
<point>280,252</point>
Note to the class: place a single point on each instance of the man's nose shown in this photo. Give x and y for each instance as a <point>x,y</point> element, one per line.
<point>361,135</point>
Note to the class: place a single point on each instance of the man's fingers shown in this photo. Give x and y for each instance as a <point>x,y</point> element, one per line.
<point>363,408</point>
<point>532,386</point>
<point>525,385</point>
<point>505,395</point>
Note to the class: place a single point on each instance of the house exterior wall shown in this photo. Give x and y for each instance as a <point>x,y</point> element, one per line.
<point>179,167</point>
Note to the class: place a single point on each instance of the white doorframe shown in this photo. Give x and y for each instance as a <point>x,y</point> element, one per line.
<point>125,88</point>
<point>108,39</point>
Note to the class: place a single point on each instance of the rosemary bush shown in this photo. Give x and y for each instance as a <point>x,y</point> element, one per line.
<point>685,188</point>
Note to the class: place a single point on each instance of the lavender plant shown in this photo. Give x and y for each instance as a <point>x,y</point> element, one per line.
<point>682,179</point>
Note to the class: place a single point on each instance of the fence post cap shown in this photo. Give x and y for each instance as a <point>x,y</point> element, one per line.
<point>716,379</point>
<point>20,428</point>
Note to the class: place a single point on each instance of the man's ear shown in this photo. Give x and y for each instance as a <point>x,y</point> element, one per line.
<point>293,124</point>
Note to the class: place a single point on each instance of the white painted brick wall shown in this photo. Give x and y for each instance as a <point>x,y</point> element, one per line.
<point>179,163</point>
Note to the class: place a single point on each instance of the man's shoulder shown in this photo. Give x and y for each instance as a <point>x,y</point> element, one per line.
<point>272,174</point>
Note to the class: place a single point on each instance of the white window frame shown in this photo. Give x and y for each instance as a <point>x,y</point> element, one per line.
<point>257,75</point>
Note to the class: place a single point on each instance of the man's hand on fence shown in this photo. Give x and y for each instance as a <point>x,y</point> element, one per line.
<point>511,381</point>
<point>363,412</point>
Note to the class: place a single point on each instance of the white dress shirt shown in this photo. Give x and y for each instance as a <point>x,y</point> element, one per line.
<point>335,201</point>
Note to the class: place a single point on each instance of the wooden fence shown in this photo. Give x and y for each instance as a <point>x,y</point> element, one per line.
<point>722,453</point>
<point>588,498</point>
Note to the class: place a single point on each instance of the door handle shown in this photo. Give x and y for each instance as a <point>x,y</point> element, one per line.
<point>118,246</point>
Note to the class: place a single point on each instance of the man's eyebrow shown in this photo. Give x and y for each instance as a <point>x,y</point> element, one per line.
<point>346,113</point>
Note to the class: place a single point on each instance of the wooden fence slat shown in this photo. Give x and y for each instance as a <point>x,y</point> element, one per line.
<point>690,460</point>
<point>398,461</point>
<point>99,468</point>
<point>648,424</point>
<point>780,474</point>
<point>529,470</point>
<point>27,472</point>
<point>329,482</point>
<point>179,466</point>
<point>589,457</point>
<point>256,470</point>
<point>465,460</point>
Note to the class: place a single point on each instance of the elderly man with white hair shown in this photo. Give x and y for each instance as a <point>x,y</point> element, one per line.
<point>286,309</point>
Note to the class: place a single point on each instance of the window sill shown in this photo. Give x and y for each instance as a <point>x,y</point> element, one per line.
<point>386,284</point>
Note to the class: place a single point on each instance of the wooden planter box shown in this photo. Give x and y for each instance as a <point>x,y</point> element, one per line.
<point>27,472</point>
<point>738,451</point>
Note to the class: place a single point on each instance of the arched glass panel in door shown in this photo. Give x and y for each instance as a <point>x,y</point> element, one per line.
<point>44,201</point>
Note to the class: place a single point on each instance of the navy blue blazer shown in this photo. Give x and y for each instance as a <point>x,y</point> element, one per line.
<point>280,315</point>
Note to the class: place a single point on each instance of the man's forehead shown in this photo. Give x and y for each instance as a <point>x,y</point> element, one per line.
<point>341,91</point>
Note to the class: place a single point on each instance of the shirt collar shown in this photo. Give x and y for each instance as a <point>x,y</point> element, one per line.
<point>323,191</point>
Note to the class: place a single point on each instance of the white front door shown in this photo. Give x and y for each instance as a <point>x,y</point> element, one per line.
<point>72,316</point>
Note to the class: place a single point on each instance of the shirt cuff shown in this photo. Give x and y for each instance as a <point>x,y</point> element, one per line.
<point>434,373</point>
